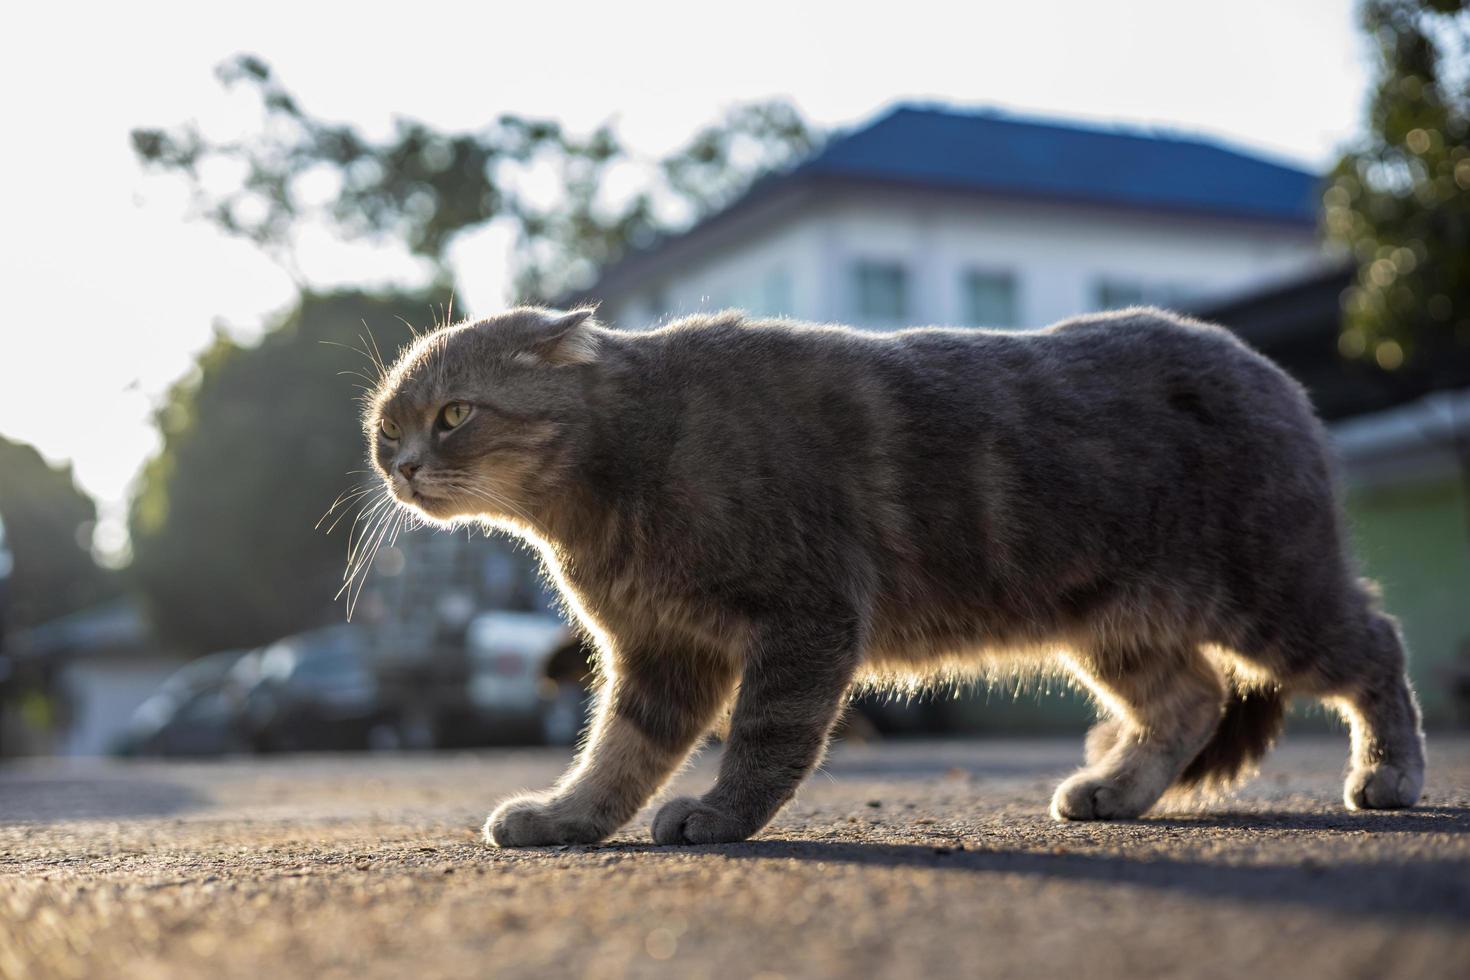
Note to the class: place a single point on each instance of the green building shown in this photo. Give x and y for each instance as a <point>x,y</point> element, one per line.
<point>1403,439</point>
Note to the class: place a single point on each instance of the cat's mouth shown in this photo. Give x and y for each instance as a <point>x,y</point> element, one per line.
<point>424,498</point>
<point>430,502</point>
<point>413,494</point>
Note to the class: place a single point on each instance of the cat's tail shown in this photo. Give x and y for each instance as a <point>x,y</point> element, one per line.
<point>1250,723</point>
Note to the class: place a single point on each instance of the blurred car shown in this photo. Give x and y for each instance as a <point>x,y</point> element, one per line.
<point>196,711</point>
<point>7,564</point>
<point>511,683</point>
<point>7,668</point>
<point>315,691</point>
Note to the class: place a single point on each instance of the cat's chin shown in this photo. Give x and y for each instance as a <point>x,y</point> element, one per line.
<point>437,510</point>
<point>443,517</point>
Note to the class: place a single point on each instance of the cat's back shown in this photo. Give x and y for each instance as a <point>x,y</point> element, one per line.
<point>1169,374</point>
<point>1133,361</point>
<point>942,458</point>
<point>1121,405</point>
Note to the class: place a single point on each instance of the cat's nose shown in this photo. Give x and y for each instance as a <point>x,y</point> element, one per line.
<point>408,470</point>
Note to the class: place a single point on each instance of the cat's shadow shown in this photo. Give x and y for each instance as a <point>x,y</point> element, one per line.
<point>1418,820</point>
<point>44,799</point>
<point>1435,888</point>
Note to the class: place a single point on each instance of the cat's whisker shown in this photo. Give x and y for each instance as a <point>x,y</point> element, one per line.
<point>376,363</point>
<point>360,579</point>
<point>497,500</point>
<point>411,328</point>
<point>380,501</point>
<point>363,515</point>
<point>377,355</point>
<point>359,503</point>
<point>404,520</point>
<point>358,571</point>
<point>373,530</point>
<point>369,519</point>
<point>343,498</point>
<point>390,534</point>
<point>369,385</point>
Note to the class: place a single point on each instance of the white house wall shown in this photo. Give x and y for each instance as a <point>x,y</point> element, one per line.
<point>1058,254</point>
<point>738,276</point>
<point>104,694</point>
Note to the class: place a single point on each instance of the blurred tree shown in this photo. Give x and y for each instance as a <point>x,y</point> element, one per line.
<point>423,187</point>
<point>48,523</point>
<point>1401,202</point>
<point>1401,199</point>
<point>257,443</point>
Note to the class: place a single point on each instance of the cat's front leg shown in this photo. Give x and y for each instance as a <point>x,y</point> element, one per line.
<point>647,720</point>
<point>790,692</point>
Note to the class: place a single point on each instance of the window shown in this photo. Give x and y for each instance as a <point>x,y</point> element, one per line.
<point>656,307</point>
<point>989,299</point>
<point>880,293</point>
<point>776,293</point>
<point>1115,294</point>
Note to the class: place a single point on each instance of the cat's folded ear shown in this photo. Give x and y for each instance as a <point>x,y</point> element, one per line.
<point>566,338</point>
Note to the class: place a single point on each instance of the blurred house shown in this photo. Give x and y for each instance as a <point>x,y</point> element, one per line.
<point>1403,441</point>
<point>106,662</point>
<point>944,217</point>
<point>936,216</point>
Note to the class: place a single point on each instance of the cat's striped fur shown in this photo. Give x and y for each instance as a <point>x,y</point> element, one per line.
<point>753,516</point>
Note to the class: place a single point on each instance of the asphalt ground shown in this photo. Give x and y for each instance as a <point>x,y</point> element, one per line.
<point>898,859</point>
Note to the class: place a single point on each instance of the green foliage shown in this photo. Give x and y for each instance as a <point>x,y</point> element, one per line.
<point>423,187</point>
<point>259,440</point>
<point>1401,200</point>
<point>48,522</point>
<point>256,444</point>
<point>716,166</point>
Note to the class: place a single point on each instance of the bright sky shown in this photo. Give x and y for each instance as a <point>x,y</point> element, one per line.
<point>110,291</point>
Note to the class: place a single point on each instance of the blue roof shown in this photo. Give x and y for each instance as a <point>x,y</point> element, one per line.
<point>1021,158</point>
<point>993,153</point>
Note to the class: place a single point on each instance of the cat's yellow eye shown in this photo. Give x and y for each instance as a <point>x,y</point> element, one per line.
<point>390,429</point>
<point>454,413</point>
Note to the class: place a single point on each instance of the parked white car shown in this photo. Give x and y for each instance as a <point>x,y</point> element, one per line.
<point>509,681</point>
<point>6,564</point>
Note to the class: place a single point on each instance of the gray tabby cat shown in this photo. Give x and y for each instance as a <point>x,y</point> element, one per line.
<point>755,516</point>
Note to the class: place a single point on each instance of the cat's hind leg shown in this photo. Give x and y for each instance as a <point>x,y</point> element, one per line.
<point>1381,710</point>
<point>648,718</point>
<point>1344,651</point>
<point>1164,704</point>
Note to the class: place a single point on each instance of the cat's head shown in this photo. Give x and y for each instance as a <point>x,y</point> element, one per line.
<point>472,420</point>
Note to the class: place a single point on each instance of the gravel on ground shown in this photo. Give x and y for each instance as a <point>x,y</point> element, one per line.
<point>898,859</point>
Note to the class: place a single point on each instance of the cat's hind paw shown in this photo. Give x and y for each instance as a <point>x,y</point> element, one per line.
<point>531,821</point>
<point>686,820</point>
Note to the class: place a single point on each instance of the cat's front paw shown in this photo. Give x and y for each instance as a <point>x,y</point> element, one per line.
<point>1089,797</point>
<point>531,821</point>
<point>687,820</point>
<point>1383,787</point>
